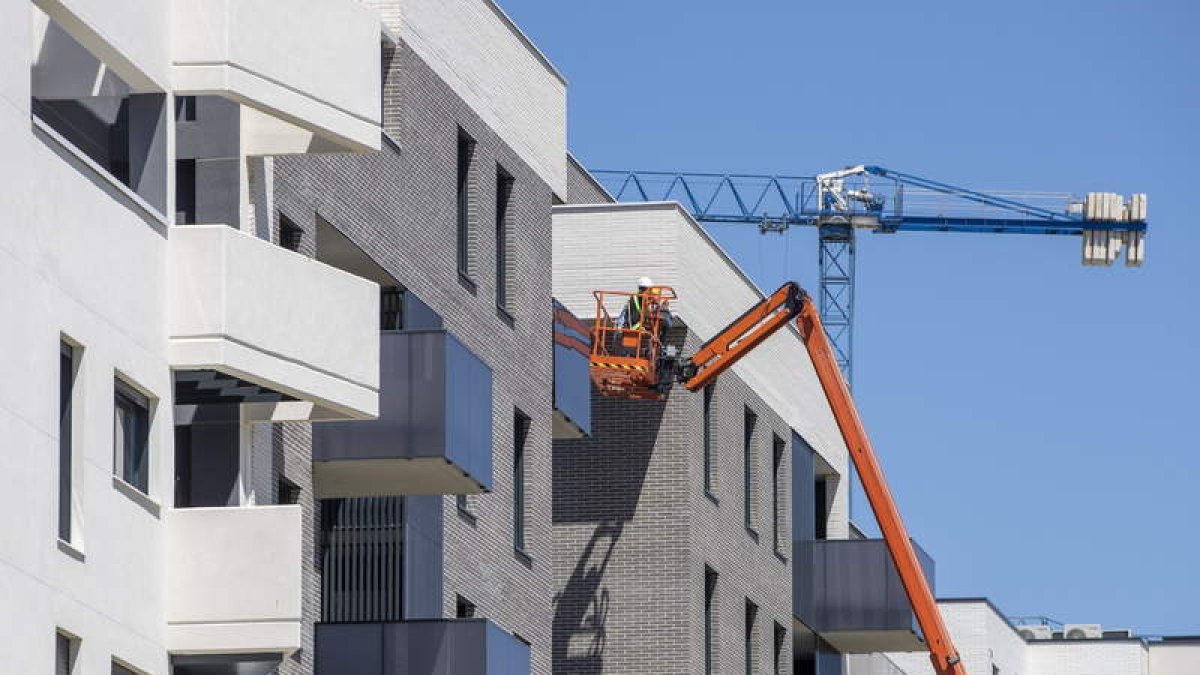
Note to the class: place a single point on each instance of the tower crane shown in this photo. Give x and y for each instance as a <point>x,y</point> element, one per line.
<point>864,197</point>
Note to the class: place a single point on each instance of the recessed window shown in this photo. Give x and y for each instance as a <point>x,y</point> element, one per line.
<point>710,449</point>
<point>66,451</point>
<point>520,436</point>
<point>777,663</point>
<point>291,235</point>
<point>185,108</point>
<point>66,649</point>
<point>463,608</point>
<point>185,192</point>
<point>710,621</point>
<point>118,669</point>
<point>749,421</point>
<point>391,308</point>
<point>83,102</point>
<point>466,151</point>
<point>751,634</point>
<point>821,508</point>
<point>287,492</point>
<point>779,447</point>
<point>131,436</point>
<point>504,189</point>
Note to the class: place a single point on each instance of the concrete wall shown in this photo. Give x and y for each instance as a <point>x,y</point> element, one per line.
<point>487,62</point>
<point>398,206</point>
<point>1089,657</point>
<point>92,267</point>
<point>1175,658</point>
<point>611,246</point>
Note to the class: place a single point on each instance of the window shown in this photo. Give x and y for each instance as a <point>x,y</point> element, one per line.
<point>710,620</point>
<point>185,192</point>
<point>287,492</point>
<point>185,108</point>
<point>777,493</point>
<point>777,662</point>
<point>291,235</point>
<point>131,437</point>
<point>821,511</point>
<point>118,669</point>
<point>463,608</point>
<point>66,386</point>
<point>65,651</point>
<point>750,420</point>
<point>520,433</point>
<point>391,308</point>
<point>466,149</point>
<point>709,441</point>
<point>751,632</point>
<point>504,188</point>
<point>80,102</point>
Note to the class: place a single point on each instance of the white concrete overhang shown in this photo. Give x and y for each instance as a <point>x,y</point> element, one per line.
<point>311,67</point>
<point>234,580</point>
<point>253,310</point>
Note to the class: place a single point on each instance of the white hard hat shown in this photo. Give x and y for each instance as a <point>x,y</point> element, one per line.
<point>645,282</point>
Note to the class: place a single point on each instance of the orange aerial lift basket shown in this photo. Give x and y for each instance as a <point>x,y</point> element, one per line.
<point>628,356</point>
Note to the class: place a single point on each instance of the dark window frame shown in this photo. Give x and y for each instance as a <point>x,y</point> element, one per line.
<point>750,423</point>
<point>464,164</point>
<point>521,426</point>
<point>68,359</point>
<point>505,185</point>
<point>132,411</point>
<point>710,454</point>
<point>66,652</point>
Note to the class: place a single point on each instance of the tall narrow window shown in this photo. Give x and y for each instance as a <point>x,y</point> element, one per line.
<point>751,632</point>
<point>821,508</point>
<point>504,188</point>
<point>118,669</point>
<point>66,386</point>
<point>710,620</point>
<point>520,434</point>
<point>463,608</point>
<point>131,436</point>
<point>466,149</point>
<point>777,666</point>
<point>391,308</point>
<point>64,654</point>
<point>750,420</point>
<point>709,440</point>
<point>777,493</point>
<point>291,235</point>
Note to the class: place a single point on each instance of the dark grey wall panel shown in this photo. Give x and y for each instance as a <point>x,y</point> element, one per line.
<point>435,401</point>
<point>423,557</point>
<point>572,382</point>
<point>803,481</point>
<point>440,647</point>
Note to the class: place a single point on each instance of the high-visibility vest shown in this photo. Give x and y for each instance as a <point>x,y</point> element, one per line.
<point>635,304</point>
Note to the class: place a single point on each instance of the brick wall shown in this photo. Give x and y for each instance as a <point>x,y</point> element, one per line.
<point>399,206</point>
<point>582,187</point>
<point>634,530</point>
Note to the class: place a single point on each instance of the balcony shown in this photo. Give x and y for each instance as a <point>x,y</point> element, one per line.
<point>233,580</point>
<point>434,432</point>
<point>437,647</point>
<point>572,384</point>
<point>849,592</point>
<point>264,315</point>
<point>309,68</point>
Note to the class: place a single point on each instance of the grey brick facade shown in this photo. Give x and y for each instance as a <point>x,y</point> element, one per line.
<point>399,206</point>
<point>635,529</point>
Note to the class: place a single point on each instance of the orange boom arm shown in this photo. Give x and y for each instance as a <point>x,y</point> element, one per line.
<point>748,331</point>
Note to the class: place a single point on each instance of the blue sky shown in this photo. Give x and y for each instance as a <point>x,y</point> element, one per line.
<point>1036,418</point>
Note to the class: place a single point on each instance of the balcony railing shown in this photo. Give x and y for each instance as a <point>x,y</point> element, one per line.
<point>849,592</point>
<point>234,580</point>
<point>434,432</point>
<point>435,647</point>
<point>254,311</point>
<point>572,383</point>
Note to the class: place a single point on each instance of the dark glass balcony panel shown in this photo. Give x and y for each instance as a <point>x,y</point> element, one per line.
<point>434,647</point>
<point>434,432</point>
<point>849,592</point>
<point>572,384</point>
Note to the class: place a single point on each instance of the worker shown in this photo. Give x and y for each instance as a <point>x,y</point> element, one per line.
<point>633,315</point>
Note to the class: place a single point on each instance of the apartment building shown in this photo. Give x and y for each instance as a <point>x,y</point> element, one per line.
<point>993,644</point>
<point>707,533</point>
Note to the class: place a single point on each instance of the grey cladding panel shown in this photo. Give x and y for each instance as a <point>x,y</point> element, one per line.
<point>440,647</point>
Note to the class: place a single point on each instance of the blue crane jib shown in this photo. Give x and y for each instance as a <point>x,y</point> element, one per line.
<point>873,198</point>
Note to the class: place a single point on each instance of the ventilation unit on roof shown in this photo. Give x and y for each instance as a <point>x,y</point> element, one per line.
<point>1082,631</point>
<point>1035,632</point>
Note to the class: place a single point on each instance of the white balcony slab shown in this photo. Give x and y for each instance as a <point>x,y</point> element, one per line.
<point>248,308</point>
<point>221,596</point>
<point>314,64</point>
